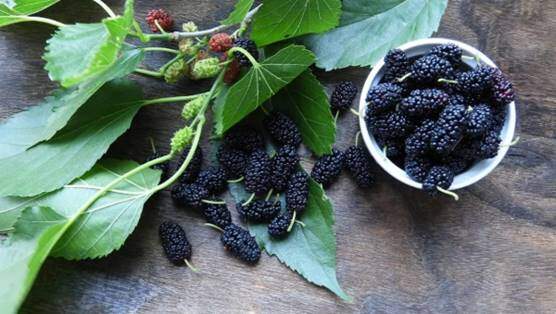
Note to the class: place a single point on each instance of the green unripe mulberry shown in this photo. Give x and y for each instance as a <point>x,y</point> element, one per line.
<point>175,71</point>
<point>205,68</point>
<point>192,108</point>
<point>181,139</point>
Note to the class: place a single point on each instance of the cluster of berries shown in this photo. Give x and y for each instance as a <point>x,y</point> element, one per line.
<point>435,115</point>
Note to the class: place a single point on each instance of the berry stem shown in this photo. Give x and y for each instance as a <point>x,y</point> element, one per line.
<point>512,143</point>
<point>190,266</point>
<point>160,29</point>
<point>248,200</point>
<point>357,136</point>
<point>213,202</point>
<point>277,198</point>
<point>447,81</point>
<point>301,223</point>
<point>236,180</point>
<point>25,18</point>
<point>163,49</point>
<point>290,226</point>
<point>171,99</point>
<point>146,72</point>
<point>336,116</point>
<point>269,194</point>
<point>450,193</point>
<point>266,113</point>
<point>105,8</point>
<point>403,78</point>
<point>355,112</point>
<point>246,53</point>
<point>153,147</point>
<point>214,227</point>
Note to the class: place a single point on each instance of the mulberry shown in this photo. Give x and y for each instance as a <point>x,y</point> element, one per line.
<point>194,167</point>
<point>217,214</point>
<point>438,176</point>
<point>424,102</point>
<point>476,82</point>
<point>297,193</point>
<point>213,179</point>
<point>250,47</point>
<point>241,244</point>
<point>174,242</point>
<point>479,120</point>
<point>244,138</point>
<point>160,17</point>
<point>502,89</point>
<point>232,72</point>
<point>258,211</point>
<point>283,165</point>
<point>488,146</point>
<point>391,125</point>
<point>282,129</point>
<point>397,65</point>
<point>393,147</point>
<point>449,128</point>
<point>233,161</point>
<point>417,168</point>
<point>383,97</point>
<point>257,172</point>
<point>164,167</point>
<point>417,144</point>
<point>278,227</point>
<point>328,168</point>
<point>189,194</point>
<point>431,68</point>
<point>358,164</point>
<point>220,42</point>
<point>343,96</point>
<point>449,52</point>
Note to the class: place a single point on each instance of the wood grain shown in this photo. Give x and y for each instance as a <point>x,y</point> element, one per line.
<point>494,251</point>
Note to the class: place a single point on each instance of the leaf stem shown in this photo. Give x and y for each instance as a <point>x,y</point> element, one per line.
<point>156,74</point>
<point>246,53</point>
<point>105,8</point>
<point>171,99</point>
<point>26,18</point>
<point>248,201</point>
<point>290,226</point>
<point>163,49</point>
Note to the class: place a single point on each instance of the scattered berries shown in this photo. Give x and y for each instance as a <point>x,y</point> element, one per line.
<point>217,214</point>
<point>343,96</point>
<point>160,17</point>
<point>174,242</point>
<point>297,193</point>
<point>234,161</point>
<point>190,194</point>
<point>282,129</point>
<point>258,211</point>
<point>431,68</point>
<point>257,172</point>
<point>283,165</point>
<point>278,227</point>
<point>358,163</point>
<point>194,167</point>
<point>241,244</point>
<point>383,97</point>
<point>479,120</point>
<point>220,42</point>
<point>213,179</point>
<point>397,65</point>
<point>250,47</point>
<point>328,168</point>
<point>438,176</point>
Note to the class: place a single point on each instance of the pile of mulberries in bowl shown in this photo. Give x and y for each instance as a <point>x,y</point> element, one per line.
<point>435,116</point>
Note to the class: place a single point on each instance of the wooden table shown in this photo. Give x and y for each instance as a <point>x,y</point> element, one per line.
<point>398,250</point>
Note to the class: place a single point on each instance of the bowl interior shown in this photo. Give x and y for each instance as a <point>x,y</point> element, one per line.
<point>480,169</point>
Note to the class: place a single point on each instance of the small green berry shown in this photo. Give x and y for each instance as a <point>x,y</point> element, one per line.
<point>206,68</point>
<point>175,71</point>
<point>181,139</point>
<point>192,108</point>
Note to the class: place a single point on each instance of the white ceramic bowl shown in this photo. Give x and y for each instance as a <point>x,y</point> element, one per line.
<point>478,170</point>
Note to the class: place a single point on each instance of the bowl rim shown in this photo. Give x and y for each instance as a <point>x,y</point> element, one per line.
<point>488,165</point>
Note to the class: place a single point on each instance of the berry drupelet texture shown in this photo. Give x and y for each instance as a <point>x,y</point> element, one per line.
<point>391,125</point>
<point>297,193</point>
<point>278,227</point>
<point>417,167</point>
<point>257,172</point>
<point>189,194</point>
<point>450,126</point>
<point>489,145</point>
<point>328,168</point>
<point>213,179</point>
<point>233,161</point>
<point>438,176</point>
<point>258,211</point>
<point>502,89</point>
<point>383,97</point>
<point>283,165</point>
<point>343,96</point>
<point>250,47</point>
<point>397,65</point>
<point>431,68</point>
<point>220,42</point>
<point>283,129</point>
<point>217,214</point>
<point>358,163</point>
<point>393,148</point>
<point>174,242</point>
<point>449,52</point>
<point>194,167</point>
<point>244,138</point>
<point>161,17</point>
<point>424,102</point>
<point>476,82</point>
<point>163,167</point>
<point>479,120</point>
<point>241,244</point>
<point>417,144</point>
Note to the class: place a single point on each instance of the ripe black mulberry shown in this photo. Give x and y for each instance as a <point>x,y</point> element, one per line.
<point>431,68</point>
<point>449,52</point>
<point>417,144</point>
<point>217,214</point>
<point>213,179</point>
<point>424,102</point>
<point>479,120</point>
<point>417,168</point>
<point>502,89</point>
<point>244,138</point>
<point>438,176</point>
<point>297,192</point>
<point>248,45</point>
<point>358,164</point>
<point>328,168</point>
<point>258,211</point>
<point>283,165</point>
<point>397,65</point>
<point>278,227</point>
<point>383,97</point>
<point>343,96</point>
<point>189,194</point>
<point>476,82</point>
<point>174,242</point>
<point>257,172</point>
<point>241,244</point>
<point>233,161</point>
<point>194,167</point>
<point>450,126</point>
<point>283,129</point>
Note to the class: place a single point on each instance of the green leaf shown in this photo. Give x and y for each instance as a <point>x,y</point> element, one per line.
<point>306,102</point>
<point>311,250</point>
<point>238,14</point>
<point>80,51</point>
<point>260,83</point>
<point>369,29</point>
<point>41,122</point>
<point>64,228</point>
<point>284,19</point>
<point>11,8</point>
<point>22,254</point>
<point>74,149</point>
